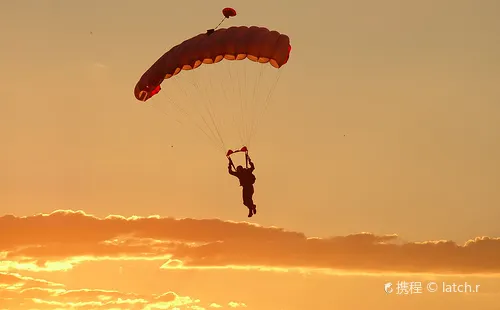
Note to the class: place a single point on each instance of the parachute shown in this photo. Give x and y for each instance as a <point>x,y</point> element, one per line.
<point>234,44</point>
<point>228,12</point>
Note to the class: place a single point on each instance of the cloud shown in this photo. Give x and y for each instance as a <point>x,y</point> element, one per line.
<point>59,240</point>
<point>234,304</point>
<point>13,280</point>
<point>28,293</point>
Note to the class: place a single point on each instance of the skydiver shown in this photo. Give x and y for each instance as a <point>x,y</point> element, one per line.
<point>247,179</point>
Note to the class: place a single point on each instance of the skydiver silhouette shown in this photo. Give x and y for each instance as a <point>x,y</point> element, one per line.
<point>247,179</point>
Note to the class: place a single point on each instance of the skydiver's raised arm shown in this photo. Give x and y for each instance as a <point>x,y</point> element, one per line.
<point>230,170</point>
<point>252,166</point>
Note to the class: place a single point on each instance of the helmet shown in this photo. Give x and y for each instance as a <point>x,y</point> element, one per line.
<point>239,168</point>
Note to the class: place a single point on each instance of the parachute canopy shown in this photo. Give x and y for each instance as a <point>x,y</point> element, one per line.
<point>257,44</point>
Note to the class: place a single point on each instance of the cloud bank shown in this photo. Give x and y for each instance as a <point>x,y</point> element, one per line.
<point>20,292</point>
<point>58,241</point>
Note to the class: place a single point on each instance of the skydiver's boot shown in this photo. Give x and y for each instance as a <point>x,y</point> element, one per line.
<point>250,212</point>
<point>254,210</point>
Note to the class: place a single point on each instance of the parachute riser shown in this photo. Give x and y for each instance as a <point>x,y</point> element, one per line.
<point>231,162</point>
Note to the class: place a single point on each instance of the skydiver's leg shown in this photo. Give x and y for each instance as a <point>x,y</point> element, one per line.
<point>247,200</point>
<point>250,198</point>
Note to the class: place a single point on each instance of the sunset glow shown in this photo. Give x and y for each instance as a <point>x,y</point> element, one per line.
<point>373,128</point>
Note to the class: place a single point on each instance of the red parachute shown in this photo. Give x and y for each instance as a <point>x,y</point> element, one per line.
<point>257,44</point>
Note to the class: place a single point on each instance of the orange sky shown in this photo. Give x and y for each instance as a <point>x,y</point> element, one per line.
<point>382,136</point>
